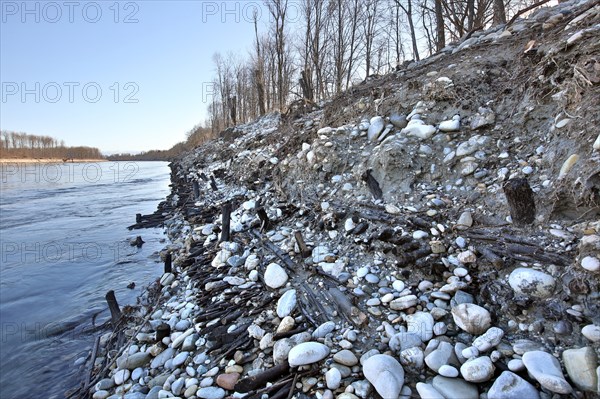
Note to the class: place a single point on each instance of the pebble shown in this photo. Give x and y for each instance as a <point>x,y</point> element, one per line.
<point>479,369</point>
<point>398,285</point>
<point>333,378</point>
<point>275,276</point>
<point>180,359</point>
<point>385,374</point>
<point>228,381</point>
<point>448,371</point>
<point>404,340</point>
<point>510,386</point>
<point>530,282</point>
<point>546,370</point>
<point>464,221</point>
<point>134,361</point>
<point>489,339</point>
<point>442,355</point>
<point>323,329</point>
<point>210,393</point>
<point>286,304</point>
<point>455,388</point>
<point>591,332</point>
<point>420,323</point>
<point>581,367</point>
<point>466,257</point>
<point>121,376</point>
<point>346,358</point>
<point>307,353</point>
<point>516,365</point>
<point>471,318</point>
<point>403,302</point>
<point>590,263</point>
<point>427,391</point>
<point>377,123</point>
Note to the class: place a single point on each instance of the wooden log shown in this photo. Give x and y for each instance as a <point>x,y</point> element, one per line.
<point>491,256</point>
<point>249,383</point>
<point>115,311</point>
<point>305,252</point>
<point>520,201</point>
<point>168,263</point>
<point>226,222</point>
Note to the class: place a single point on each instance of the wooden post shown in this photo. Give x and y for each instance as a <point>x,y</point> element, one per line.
<point>520,201</point>
<point>163,330</point>
<point>226,221</point>
<point>168,260</point>
<point>138,218</point>
<point>213,183</point>
<point>115,312</point>
<point>265,222</point>
<point>305,252</point>
<point>196,189</point>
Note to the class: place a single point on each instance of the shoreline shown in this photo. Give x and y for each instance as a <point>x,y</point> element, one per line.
<point>48,160</point>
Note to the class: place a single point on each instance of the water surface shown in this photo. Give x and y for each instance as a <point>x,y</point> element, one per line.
<point>64,244</point>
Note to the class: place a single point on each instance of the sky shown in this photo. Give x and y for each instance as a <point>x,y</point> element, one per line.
<point>123,76</point>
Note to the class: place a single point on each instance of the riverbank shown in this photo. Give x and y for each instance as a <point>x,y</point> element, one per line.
<point>373,248</point>
<point>47,160</point>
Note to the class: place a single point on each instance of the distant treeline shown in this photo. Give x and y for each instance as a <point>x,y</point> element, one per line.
<point>23,145</point>
<point>195,137</point>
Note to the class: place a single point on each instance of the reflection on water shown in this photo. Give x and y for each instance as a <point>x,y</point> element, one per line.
<point>64,244</point>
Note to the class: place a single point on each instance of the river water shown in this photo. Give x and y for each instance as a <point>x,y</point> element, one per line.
<point>64,244</point>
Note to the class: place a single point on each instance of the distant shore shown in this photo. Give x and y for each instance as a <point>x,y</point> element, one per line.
<point>48,160</point>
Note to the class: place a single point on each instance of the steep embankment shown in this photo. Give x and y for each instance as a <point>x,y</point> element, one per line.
<point>372,252</point>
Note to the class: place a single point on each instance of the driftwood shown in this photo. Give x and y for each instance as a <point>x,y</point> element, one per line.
<point>344,304</point>
<point>305,252</point>
<point>226,221</point>
<point>250,383</point>
<point>372,184</point>
<point>520,201</point>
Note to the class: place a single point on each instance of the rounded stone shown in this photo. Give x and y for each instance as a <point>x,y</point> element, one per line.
<point>471,318</point>
<point>275,276</point>
<point>591,332</point>
<point>228,381</point>
<point>307,353</point>
<point>510,386</point>
<point>530,282</point>
<point>385,374</point>
<point>480,369</point>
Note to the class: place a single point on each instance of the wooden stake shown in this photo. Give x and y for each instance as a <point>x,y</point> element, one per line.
<point>305,252</point>
<point>115,312</point>
<point>265,222</point>
<point>138,218</point>
<point>213,183</point>
<point>226,221</point>
<point>520,201</point>
<point>196,189</point>
<point>163,330</point>
<point>168,261</point>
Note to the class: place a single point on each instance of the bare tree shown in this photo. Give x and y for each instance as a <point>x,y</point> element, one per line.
<point>408,11</point>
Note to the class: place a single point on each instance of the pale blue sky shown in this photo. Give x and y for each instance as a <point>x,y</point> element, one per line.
<point>162,59</point>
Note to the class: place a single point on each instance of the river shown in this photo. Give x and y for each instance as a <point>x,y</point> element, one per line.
<point>64,244</point>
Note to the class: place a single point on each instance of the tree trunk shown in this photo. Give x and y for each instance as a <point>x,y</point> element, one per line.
<point>439,23</point>
<point>499,12</point>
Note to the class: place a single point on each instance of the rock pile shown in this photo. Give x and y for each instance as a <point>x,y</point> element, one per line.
<point>377,258</point>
